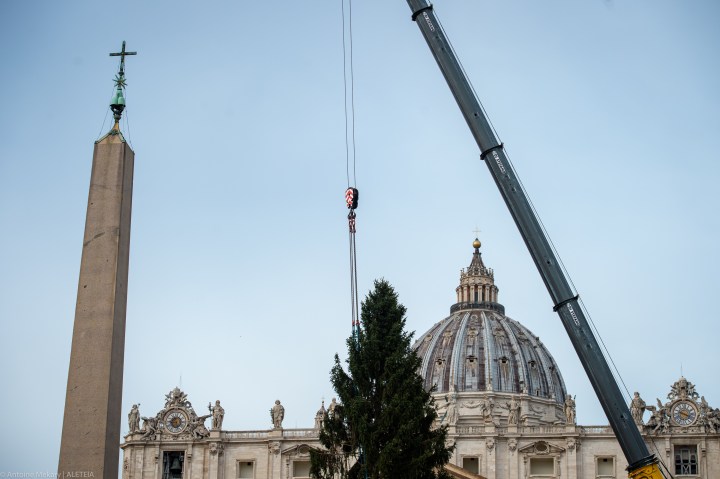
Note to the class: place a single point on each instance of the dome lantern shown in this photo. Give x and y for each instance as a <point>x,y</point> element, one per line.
<point>477,284</point>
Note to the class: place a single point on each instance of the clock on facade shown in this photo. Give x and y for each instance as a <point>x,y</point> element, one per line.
<point>175,421</point>
<point>684,413</point>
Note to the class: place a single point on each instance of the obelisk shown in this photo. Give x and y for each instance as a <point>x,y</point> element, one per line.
<point>91,425</point>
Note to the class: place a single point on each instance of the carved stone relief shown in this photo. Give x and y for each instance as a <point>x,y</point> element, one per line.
<point>177,420</point>
<point>685,409</point>
<point>216,448</point>
<point>274,447</point>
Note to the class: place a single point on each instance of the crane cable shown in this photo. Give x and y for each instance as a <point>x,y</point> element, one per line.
<point>351,196</point>
<point>348,97</point>
<point>351,193</point>
<point>604,350</point>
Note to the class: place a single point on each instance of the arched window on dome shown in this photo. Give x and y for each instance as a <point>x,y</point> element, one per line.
<point>503,373</point>
<point>471,373</point>
<point>438,373</point>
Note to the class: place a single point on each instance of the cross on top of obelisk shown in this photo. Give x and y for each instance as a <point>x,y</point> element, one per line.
<point>118,101</point>
<point>477,232</point>
<point>122,54</point>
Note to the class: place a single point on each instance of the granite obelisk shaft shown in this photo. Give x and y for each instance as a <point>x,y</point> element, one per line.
<point>91,425</point>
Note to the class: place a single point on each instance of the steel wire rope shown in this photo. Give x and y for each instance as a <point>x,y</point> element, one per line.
<point>352,91</point>
<point>352,201</point>
<point>350,151</point>
<point>347,145</point>
<point>353,283</point>
<point>347,43</point>
<point>660,459</point>
<point>472,87</point>
<point>102,127</point>
<point>127,122</point>
<point>604,349</point>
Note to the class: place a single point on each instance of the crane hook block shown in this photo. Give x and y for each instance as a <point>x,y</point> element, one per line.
<point>351,198</point>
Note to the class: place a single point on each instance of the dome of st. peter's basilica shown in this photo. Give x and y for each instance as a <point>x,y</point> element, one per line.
<point>479,353</point>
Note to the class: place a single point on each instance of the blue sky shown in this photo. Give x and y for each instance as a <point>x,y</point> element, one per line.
<point>239,281</point>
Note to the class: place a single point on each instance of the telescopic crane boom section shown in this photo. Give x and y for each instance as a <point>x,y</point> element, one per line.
<point>642,464</point>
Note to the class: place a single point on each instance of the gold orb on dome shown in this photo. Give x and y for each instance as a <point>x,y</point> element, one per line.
<point>476,243</point>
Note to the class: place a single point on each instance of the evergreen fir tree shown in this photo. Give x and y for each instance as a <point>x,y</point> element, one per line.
<point>383,427</point>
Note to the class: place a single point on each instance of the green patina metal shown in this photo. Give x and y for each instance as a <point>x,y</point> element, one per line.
<point>117,105</point>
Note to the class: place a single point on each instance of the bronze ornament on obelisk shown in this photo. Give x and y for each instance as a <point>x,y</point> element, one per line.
<point>91,424</point>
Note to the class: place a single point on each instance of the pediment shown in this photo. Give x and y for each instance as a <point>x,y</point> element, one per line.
<point>541,448</point>
<point>299,450</point>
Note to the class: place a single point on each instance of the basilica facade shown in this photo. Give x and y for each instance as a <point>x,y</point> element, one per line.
<point>497,388</point>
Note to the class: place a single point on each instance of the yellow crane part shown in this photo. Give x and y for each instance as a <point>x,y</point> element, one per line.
<point>646,472</point>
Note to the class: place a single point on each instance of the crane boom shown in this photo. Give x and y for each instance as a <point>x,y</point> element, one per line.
<point>642,464</point>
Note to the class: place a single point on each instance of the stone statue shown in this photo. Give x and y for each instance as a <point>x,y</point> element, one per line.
<point>196,426</point>
<point>437,372</point>
<point>659,419</point>
<point>662,422</point>
<point>472,336</point>
<point>278,414</point>
<point>451,414</point>
<point>452,410</point>
<point>653,416</point>
<point>682,389</point>
<point>713,420</point>
<point>514,411</point>
<point>176,398</point>
<point>320,416</point>
<point>149,427</point>
<point>637,408</point>
<point>704,406</point>
<point>331,408</point>
<point>471,367</point>
<point>218,413</point>
<point>488,405</point>
<point>705,415</point>
<point>134,419</point>
<point>570,409</point>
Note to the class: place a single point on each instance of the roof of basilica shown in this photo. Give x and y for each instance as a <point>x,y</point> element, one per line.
<point>477,348</point>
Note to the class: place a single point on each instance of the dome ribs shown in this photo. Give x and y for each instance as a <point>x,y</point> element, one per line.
<point>479,354</point>
<point>458,375</point>
<point>479,350</point>
<point>509,380</point>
